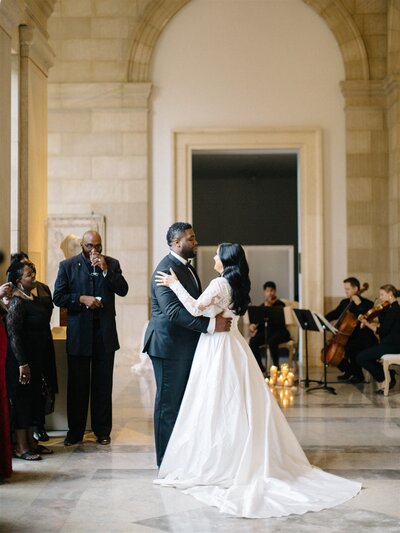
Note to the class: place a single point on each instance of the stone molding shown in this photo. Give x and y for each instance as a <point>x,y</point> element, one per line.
<point>363,93</point>
<point>11,14</point>
<point>34,46</point>
<point>392,90</point>
<point>371,93</point>
<point>43,7</point>
<point>96,95</point>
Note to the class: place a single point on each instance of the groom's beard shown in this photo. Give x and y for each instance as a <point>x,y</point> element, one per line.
<point>189,254</point>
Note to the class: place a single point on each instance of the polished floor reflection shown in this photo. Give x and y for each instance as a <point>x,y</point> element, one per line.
<point>355,434</point>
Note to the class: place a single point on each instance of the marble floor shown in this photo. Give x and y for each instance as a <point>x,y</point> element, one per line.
<point>86,488</point>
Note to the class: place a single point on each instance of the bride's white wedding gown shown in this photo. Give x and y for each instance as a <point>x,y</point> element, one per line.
<point>231,446</point>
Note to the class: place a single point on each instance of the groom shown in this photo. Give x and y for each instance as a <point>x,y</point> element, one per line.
<point>172,334</point>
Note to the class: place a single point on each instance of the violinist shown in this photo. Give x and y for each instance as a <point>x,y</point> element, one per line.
<point>275,335</point>
<point>361,338</point>
<point>389,336</point>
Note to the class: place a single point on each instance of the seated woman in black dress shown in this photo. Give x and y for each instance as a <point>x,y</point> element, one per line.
<point>27,327</point>
<point>389,338</point>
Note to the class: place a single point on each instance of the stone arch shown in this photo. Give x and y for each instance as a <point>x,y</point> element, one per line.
<point>155,17</point>
<point>347,35</point>
<point>159,12</point>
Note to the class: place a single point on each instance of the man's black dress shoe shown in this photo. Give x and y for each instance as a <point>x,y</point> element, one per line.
<point>104,440</point>
<point>344,377</point>
<point>357,379</point>
<point>41,435</point>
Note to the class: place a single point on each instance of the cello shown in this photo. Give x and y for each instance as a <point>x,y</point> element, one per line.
<point>346,324</point>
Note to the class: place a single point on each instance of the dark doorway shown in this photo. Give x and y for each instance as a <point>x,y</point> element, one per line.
<point>246,196</point>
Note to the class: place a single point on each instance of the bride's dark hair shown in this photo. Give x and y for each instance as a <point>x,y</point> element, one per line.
<point>236,272</point>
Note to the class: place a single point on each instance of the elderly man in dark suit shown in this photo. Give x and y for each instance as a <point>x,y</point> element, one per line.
<point>86,285</point>
<point>172,334</point>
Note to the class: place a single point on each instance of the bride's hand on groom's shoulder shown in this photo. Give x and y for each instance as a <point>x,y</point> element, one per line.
<point>162,278</point>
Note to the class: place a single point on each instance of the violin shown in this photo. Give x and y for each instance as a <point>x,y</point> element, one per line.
<point>375,311</point>
<point>345,325</point>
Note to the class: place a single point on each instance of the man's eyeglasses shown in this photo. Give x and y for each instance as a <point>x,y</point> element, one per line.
<point>90,246</point>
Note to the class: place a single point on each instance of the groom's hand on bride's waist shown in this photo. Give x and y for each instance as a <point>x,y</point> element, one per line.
<point>222,323</point>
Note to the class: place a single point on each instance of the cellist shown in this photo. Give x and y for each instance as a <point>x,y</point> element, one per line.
<point>361,338</point>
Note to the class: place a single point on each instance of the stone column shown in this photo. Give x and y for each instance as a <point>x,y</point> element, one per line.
<point>36,58</point>
<point>367,182</point>
<point>9,15</point>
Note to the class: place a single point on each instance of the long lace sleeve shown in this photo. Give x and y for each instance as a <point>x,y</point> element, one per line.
<point>217,295</point>
<point>15,322</point>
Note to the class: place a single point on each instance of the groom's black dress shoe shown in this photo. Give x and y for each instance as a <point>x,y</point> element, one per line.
<point>104,440</point>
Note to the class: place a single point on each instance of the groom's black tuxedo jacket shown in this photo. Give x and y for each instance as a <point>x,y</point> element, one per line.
<point>74,280</point>
<point>173,332</point>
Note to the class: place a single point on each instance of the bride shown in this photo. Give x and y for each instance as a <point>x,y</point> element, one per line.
<point>231,446</point>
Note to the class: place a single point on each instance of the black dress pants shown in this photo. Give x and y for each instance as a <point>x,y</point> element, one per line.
<point>368,359</point>
<point>90,377</point>
<point>274,339</point>
<point>349,364</point>
<point>171,379</point>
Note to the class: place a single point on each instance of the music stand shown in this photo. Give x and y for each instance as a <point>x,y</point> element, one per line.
<point>325,325</point>
<point>307,322</point>
<point>273,316</point>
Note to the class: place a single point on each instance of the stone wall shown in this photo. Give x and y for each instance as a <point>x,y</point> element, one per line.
<point>99,129</point>
<point>98,163</point>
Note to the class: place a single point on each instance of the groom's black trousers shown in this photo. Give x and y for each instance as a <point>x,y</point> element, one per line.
<point>171,379</point>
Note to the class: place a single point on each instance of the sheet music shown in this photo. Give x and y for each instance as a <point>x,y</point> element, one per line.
<point>303,316</point>
<point>324,322</point>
